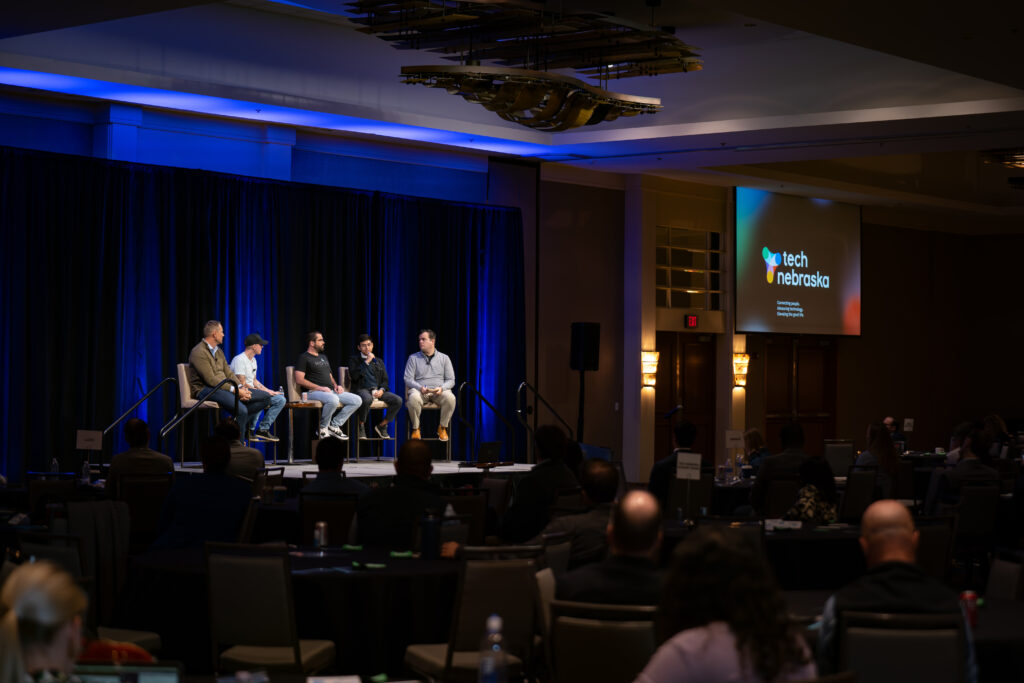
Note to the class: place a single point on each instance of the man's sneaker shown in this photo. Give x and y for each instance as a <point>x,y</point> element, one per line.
<point>382,430</point>
<point>264,435</point>
<point>336,432</point>
<point>324,433</point>
<point>415,434</point>
<point>362,431</point>
<point>442,434</point>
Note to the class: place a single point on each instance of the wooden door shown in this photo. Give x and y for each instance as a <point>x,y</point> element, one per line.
<point>686,377</point>
<point>800,384</point>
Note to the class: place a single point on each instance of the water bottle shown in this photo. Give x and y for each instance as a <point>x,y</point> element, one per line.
<point>739,467</point>
<point>86,473</point>
<point>493,665</point>
<point>280,390</point>
<point>54,465</point>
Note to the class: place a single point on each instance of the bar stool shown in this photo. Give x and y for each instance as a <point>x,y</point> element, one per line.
<point>345,380</point>
<point>295,402</point>
<point>447,444</point>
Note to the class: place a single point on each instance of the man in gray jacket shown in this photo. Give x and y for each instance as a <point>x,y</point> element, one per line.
<point>429,378</point>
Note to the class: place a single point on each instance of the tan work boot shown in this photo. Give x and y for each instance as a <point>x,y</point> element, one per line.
<point>442,434</point>
<point>415,434</point>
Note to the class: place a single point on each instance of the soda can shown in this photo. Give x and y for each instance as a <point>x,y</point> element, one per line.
<point>320,535</point>
<point>969,601</point>
<point>305,396</point>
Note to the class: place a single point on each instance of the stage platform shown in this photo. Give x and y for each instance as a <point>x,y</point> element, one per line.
<point>382,468</point>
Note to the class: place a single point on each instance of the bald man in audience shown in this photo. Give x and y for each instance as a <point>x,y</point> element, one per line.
<point>893,582</point>
<point>629,576</point>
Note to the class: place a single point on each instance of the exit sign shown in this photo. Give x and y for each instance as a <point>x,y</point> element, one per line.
<point>692,321</point>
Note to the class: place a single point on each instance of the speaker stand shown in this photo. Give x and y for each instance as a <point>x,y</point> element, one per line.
<point>579,418</point>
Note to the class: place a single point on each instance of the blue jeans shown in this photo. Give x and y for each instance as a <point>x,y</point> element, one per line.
<point>248,411</point>
<point>349,403</point>
<point>275,404</point>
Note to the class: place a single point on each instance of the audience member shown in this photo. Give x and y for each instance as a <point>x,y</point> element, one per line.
<point>41,611</point>
<point>945,485</point>
<point>785,465</point>
<point>755,448</point>
<point>245,462</point>
<point>330,480</point>
<point>205,507</point>
<point>629,575</point>
<point>899,439</point>
<point>139,458</point>
<point>880,453</point>
<point>588,531</point>
<point>723,617</point>
<point>892,583</point>
<point>537,491</point>
<point>816,500</point>
<point>998,438</point>
<point>663,472</point>
<point>956,441</point>
<point>388,516</point>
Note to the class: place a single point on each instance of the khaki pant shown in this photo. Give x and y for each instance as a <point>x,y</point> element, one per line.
<point>416,399</point>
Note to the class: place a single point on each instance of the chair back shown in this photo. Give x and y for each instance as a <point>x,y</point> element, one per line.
<point>690,496</point>
<point>344,378</point>
<point>498,492</point>
<point>291,388</point>
<point>903,487</point>
<point>557,550</point>
<point>312,475</point>
<point>884,648</point>
<point>779,496</point>
<point>473,506</point>
<point>266,479</point>
<point>976,513</point>
<point>751,529</point>
<point>1005,580</point>
<point>144,494</point>
<point>184,389</point>
<point>592,642</point>
<point>338,511</point>
<point>546,587</point>
<point>250,597</point>
<point>839,455</point>
<point>860,492</point>
<point>935,545</point>
<point>504,587</point>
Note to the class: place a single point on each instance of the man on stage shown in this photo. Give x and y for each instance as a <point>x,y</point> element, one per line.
<point>244,366</point>
<point>313,373</point>
<point>429,378</point>
<point>369,380</point>
<point>208,367</point>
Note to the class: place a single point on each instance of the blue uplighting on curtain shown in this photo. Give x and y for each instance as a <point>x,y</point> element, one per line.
<point>110,270</point>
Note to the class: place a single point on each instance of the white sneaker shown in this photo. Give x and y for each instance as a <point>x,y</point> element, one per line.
<point>336,431</point>
<point>324,433</point>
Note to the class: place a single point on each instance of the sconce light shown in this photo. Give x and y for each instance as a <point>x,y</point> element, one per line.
<point>740,363</point>
<point>649,367</point>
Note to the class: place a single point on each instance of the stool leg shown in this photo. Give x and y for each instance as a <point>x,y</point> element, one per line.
<point>291,436</point>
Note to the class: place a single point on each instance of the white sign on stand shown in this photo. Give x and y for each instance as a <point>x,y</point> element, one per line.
<point>734,439</point>
<point>908,424</point>
<point>688,466</point>
<point>89,440</point>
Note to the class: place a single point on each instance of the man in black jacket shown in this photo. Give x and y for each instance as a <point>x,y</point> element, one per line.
<point>369,380</point>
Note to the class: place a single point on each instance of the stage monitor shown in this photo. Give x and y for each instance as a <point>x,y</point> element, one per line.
<point>797,264</point>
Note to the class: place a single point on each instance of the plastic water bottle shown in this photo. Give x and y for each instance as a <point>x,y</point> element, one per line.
<point>280,390</point>
<point>493,665</point>
<point>86,473</point>
<point>54,465</point>
<point>738,473</point>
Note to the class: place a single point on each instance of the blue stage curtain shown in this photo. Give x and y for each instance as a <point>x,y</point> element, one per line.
<point>110,270</point>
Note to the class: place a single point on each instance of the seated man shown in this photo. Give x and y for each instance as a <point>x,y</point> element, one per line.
<point>208,367</point>
<point>588,531</point>
<point>684,433</point>
<point>139,458</point>
<point>785,465</point>
<point>313,373</point>
<point>245,462</point>
<point>429,378</point>
<point>244,366</point>
<point>329,479</point>
<point>892,584</point>
<point>370,381</point>
<point>946,484</point>
<point>629,576</point>
<point>538,490</point>
<point>388,516</point>
<point>205,507</point>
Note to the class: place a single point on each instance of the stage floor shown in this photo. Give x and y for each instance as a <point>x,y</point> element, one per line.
<point>373,468</point>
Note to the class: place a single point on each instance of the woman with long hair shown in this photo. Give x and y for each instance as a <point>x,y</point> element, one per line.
<point>722,617</point>
<point>816,500</point>
<point>754,447</point>
<point>41,610</point>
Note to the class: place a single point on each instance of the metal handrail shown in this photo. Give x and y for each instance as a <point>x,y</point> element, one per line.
<point>175,421</point>
<point>476,392</point>
<point>521,413</point>
<point>149,393</point>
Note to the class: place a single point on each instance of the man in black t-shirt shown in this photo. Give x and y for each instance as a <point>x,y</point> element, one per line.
<point>313,373</point>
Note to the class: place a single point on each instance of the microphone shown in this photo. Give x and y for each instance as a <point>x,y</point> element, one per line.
<point>672,412</point>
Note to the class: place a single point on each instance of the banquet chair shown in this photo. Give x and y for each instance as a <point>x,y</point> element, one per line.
<point>144,495</point>
<point>935,545</point>
<point>598,642</point>
<point>894,648</point>
<point>1005,580</point>
<point>504,587</point>
<point>859,494</point>
<point>252,612</point>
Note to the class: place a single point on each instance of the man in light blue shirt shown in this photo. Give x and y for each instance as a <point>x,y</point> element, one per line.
<point>429,378</point>
<point>244,366</point>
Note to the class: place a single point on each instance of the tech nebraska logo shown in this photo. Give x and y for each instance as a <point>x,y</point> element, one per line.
<point>771,262</point>
<point>792,277</point>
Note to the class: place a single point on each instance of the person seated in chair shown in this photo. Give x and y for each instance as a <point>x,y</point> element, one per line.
<point>946,484</point>
<point>245,462</point>
<point>785,465</point>
<point>684,433</point>
<point>139,458</point>
<point>429,378</point>
<point>588,531</point>
<point>369,381</point>
<point>629,575</point>
<point>893,582</point>
<point>330,480</point>
<point>538,490</point>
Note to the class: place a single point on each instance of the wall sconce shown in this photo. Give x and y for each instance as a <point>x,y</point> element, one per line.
<point>740,363</point>
<point>649,367</point>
